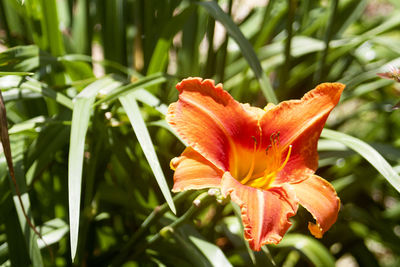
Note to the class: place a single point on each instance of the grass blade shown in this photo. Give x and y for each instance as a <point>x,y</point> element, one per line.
<point>53,231</point>
<point>51,25</point>
<point>4,73</point>
<point>247,50</point>
<point>150,80</point>
<point>80,123</point>
<point>132,110</point>
<point>310,247</point>
<point>159,59</point>
<point>367,152</point>
<point>16,246</point>
<point>212,254</point>
<point>12,81</point>
<point>21,198</point>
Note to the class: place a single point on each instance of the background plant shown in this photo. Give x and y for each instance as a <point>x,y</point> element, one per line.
<point>86,84</point>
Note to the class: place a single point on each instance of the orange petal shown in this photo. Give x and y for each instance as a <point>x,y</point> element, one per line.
<point>320,199</point>
<point>193,171</point>
<point>265,213</point>
<point>257,112</point>
<point>211,121</point>
<point>300,123</point>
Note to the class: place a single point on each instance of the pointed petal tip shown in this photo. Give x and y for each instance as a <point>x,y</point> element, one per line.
<point>315,229</point>
<point>174,163</point>
<point>320,198</point>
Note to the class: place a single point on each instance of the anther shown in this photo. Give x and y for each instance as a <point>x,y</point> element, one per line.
<point>268,148</point>
<point>254,139</point>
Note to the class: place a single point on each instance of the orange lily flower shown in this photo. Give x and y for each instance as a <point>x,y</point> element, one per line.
<point>264,159</point>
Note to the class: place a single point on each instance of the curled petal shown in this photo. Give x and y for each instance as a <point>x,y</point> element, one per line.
<point>211,121</point>
<point>193,171</point>
<point>265,213</point>
<point>300,123</point>
<point>320,199</point>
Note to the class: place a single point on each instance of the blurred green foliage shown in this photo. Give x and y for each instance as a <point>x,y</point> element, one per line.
<point>86,84</point>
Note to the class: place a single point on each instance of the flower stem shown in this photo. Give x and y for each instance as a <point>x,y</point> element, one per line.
<point>201,202</point>
<point>151,219</point>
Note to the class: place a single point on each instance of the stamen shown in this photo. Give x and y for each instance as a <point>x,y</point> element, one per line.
<point>269,177</point>
<point>286,160</point>
<point>253,160</point>
<point>254,139</point>
<point>271,171</point>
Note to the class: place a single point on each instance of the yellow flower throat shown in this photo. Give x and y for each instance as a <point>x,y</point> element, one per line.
<point>264,167</point>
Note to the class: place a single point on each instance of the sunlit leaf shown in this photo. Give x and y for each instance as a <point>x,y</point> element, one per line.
<point>367,152</point>
<point>310,247</point>
<point>80,123</point>
<point>139,127</point>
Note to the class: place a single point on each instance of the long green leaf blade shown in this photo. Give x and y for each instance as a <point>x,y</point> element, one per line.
<point>144,82</point>
<point>13,81</point>
<point>19,73</point>
<point>367,152</point>
<point>80,123</point>
<point>310,247</point>
<point>139,127</point>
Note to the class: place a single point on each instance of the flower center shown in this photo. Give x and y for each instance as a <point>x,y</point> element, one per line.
<point>273,163</point>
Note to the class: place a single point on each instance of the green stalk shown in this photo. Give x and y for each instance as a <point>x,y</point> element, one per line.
<point>201,202</point>
<point>288,45</point>
<point>203,199</point>
<point>224,51</point>
<point>149,221</point>
<point>327,38</point>
<point>273,14</point>
<point>210,64</point>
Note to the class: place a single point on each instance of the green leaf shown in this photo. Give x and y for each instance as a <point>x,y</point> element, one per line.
<point>149,80</point>
<point>247,50</point>
<point>51,139</point>
<point>28,83</point>
<point>210,251</point>
<point>80,27</point>
<point>4,73</point>
<point>51,27</point>
<point>18,186</point>
<point>165,125</point>
<point>52,232</point>
<point>148,98</point>
<point>159,58</point>
<point>190,252</point>
<point>139,127</point>
<point>213,253</point>
<point>367,152</point>
<point>310,247</point>
<point>80,123</point>
<point>28,125</point>
<point>20,59</point>
<point>16,246</point>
